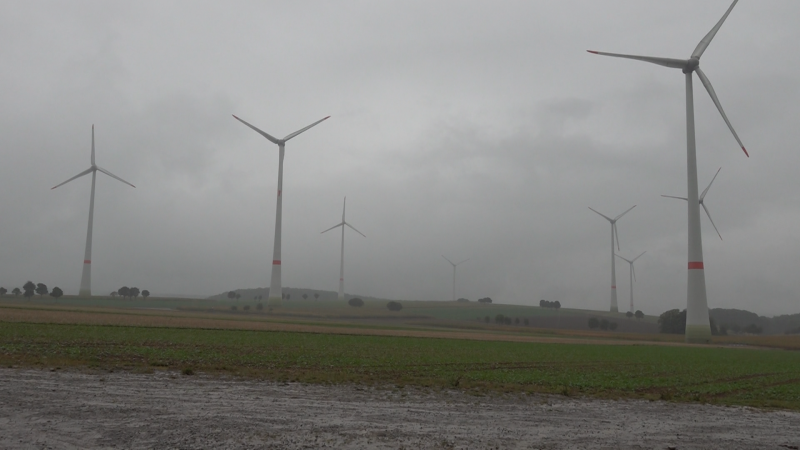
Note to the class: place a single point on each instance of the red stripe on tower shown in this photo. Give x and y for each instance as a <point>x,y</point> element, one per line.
<point>613,287</point>
<point>276,262</point>
<point>279,192</point>
<point>696,265</point>
<point>87,261</point>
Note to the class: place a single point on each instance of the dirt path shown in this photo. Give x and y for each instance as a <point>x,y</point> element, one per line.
<point>43,409</point>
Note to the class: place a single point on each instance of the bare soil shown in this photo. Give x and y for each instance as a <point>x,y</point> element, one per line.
<point>71,409</point>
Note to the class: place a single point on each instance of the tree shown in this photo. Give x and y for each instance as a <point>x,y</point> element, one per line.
<point>485,300</point>
<point>29,289</point>
<point>629,314</point>
<point>246,307</point>
<point>612,326</point>
<point>355,302</point>
<point>557,304</point>
<point>604,324</point>
<point>3,291</point>
<point>16,292</point>
<point>288,296</point>
<point>41,289</point>
<point>516,321</point>
<point>134,293</point>
<point>316,296</point>
<point>463,300</point>
<point>752,329</point>
<point>487,319</point>
<point>639,314</point>
<point>594,322</point>
<point>114,294</point>
<point>56,292</point>
<point>500,319</point>
<point>305,296</point>
<point>672,322</point>
<point>124,291</point>
<point>145,294</point>
<point>238,296</point>
<point>542,303</point>
<point>525,321</point>
<point>259,307</point>
<point>231,294</point>
<point>394,306</point>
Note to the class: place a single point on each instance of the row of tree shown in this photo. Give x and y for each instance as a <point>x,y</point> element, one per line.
<point>638,314</point>
<point>131,293</point>
<point>30,289</point>
<point>547,304</point>
<point>603,324</point>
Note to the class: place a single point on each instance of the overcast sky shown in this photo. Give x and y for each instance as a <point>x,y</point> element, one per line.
<point>473,129</point>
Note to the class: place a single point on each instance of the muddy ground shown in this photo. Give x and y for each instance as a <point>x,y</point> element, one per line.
<point>70,409</point>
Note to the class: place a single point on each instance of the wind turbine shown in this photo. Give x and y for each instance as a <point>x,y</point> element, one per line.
<point>454,273</point>
<point>86,276</point>
<point>341,262</point>
<point>614,233</point>
<point>697,325</point>
<point>275,290</point>
<point>702,196</point>
<point>632,274</point>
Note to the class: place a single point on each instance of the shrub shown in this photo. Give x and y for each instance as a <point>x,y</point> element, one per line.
<point>612,326</point>
<point>594,322</point>
<point>485,300</point>
<point>394,306</point>
<point>501,319</point>
<point>355,302</point>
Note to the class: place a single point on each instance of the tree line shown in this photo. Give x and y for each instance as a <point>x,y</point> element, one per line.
<point>29,289</point>
<point>131,293</point>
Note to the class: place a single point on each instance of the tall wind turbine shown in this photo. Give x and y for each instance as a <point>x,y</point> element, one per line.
<point>275,291</point>
<point>454,273</point>
<point>614,233</point>
<point>86,276</point>
<point>341,262</point>
<point>703,196</point>
<point>697,325</point>
<point>632,274</point>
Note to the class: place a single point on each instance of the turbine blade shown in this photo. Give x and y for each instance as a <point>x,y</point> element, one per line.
<point>335,226</point>
<point>85,172</point>
<point>709,185</point>
<point>448,260</point>
<point>354,229</point>
<point>667,62</point>
<point>633,272</point>
<point>114,176</point>
<point>271,139</point>
<point>679,198</point>
<point>640,254</point>
<point>712,220</point>
<point>616,233</point>
<point>620,257</point>
<point>607,218</point>
<point>92,144</point>
<point>703,45</point>
<point>304,129</point>
<point>462,262</point>
<point>343,208</point>
<point>713,95</point>
<point>626,212</point>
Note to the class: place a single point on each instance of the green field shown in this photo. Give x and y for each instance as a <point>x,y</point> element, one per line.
<point>730,376</point>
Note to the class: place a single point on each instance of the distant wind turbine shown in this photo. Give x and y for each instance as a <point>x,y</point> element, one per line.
<point>703,196</point>
<point>454,273</point>
<point>341,261</point>
<point>632,274</point>
<point>275,290</point>
<point>86,276</point>
<point>614,233</point>
<point>698,329</point>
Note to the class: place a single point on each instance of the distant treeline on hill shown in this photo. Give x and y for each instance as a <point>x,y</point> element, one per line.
<point>739,319</point>
<point>289,294</point>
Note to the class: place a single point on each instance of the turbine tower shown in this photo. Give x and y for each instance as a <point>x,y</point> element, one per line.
<point>341,262</point>
<point>86,276</point>
<point>614,233</point>
<point>703,196</point>
<point>275,291</point>
<point>454,273</point>
<point>698,329</point>
<point>632,274</point>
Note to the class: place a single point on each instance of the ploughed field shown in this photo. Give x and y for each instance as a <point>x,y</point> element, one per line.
<point>478,360</point>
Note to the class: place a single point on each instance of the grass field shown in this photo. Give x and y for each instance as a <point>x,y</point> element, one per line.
<point>492,359</point>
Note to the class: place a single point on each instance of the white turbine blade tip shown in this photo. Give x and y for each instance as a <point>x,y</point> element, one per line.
<point>707,83</point>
